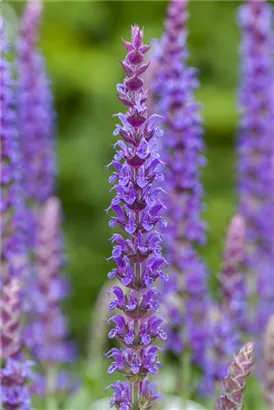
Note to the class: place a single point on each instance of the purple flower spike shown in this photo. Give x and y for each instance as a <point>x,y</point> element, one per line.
<point>256,153</point>
<point>269,362</point>
<point>35,116</point>
<point>46,335</point>
<point>228,316</point>
<point>15,372</point>
<point>182,147</point>
<point>137,253</point>
<point>11,204</point>
<point>235,382</point>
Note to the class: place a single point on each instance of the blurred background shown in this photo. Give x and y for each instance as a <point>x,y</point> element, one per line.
<point>81,41</point>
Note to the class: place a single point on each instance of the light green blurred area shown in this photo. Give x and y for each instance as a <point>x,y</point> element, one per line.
<point>82,45</point>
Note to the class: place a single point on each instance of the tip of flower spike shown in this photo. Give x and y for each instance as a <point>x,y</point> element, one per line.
<point>238,222</point>
<point>31,19</point>
<point>36,5</point>
<point>137,35</point>
<point>50,213</point>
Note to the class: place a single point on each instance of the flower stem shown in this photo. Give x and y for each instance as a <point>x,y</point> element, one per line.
<point>51,402</point>
<point>135,393</point>
<point>185,376</point>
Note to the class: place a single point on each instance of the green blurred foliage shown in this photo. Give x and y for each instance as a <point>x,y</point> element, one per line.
<point>82,45</point>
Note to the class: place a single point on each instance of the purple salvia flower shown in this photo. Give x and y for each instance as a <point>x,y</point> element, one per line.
<point>268,374</point>
<point>11,204</point>
<point>229,314</point>
<point>256,153</point>
<point>137,253</point>
<point>15,372</point>
<point>46,336</point>
<point>235,382</point>
<point>35,116</point>
<point>182,147</point>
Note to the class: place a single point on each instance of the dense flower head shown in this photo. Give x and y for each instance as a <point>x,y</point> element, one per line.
<point>182,147</point>
<point>137,252</point>
<point>11,205</point>
<point>268,374</point>
<point>256,153</point>
<point>15,372</point>
<point>46,335</point>
<point>35,115</point>
<point>234,384</point>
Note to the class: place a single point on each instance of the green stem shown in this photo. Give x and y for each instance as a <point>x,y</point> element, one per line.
<point>135,393</point>
<point>51,380</point>
<point>185,377</point>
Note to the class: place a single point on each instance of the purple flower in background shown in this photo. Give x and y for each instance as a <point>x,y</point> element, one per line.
<point>228,316</point>
<point>256,153</point>
<point>35,117</point>
<point>15,372</point>
<point>11,201</point>
<point>182,147</point>
<point>46,336</point>
<point>234,384</point>
<point>137,253</point>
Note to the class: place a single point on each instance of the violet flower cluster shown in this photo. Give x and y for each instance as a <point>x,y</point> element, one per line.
<point>137,253</point>
<point>46,335</point>
<point>230,313</point>
<point>235,382</point>
<point>256,153</point>
<point>15,372</point>
<point>182,147</point>
<point>11,203</point>
<point>35,118</point>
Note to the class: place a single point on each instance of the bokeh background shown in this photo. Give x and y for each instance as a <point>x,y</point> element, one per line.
<point>81,41</point>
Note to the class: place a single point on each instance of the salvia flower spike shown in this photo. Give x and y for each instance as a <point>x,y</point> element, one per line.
<point>47,334</point>
<point>35,116</point>
<point>137,252</point>
<point>235,382</point>
<point>229,313</point>
<point>182,147</point>
<point>256,153</point>
<point>15,372</point>
<point>269,362</point>
<point>11,201</point>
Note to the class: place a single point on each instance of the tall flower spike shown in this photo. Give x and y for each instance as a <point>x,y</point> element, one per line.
<point>15,372</point>
<point>11,205</point>
<point>235,382</point>
<point>182,147</point>
<point>46,336</point>
<point>256,153</point>
<point>36,117</point>
<point>269,362</point>
<point>136,253</point>
<point>228,320</point>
